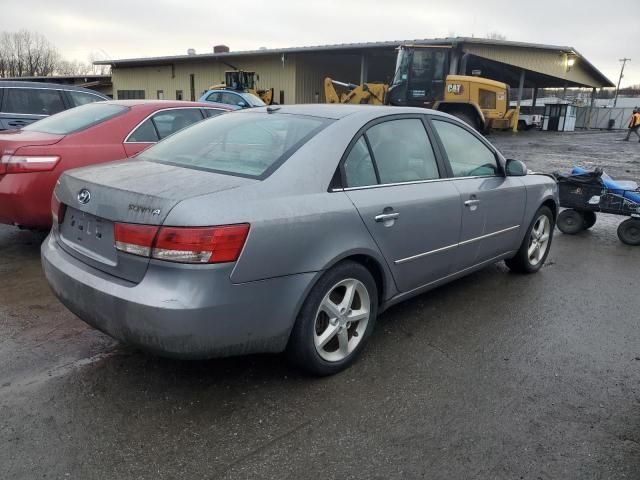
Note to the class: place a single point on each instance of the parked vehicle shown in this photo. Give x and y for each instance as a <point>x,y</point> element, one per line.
<point>289,228</point>
<point>32,158</point>
<point>22,103</point>
<point>584,192</point>
<point>235,99</point>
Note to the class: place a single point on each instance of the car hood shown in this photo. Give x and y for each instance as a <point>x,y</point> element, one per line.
<point>138,191</point>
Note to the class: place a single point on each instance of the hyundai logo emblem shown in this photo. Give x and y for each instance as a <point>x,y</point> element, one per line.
<point>84,196</point>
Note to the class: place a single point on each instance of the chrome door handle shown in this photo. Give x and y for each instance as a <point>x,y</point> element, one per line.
<point>471,203</point>
<point>383,217</point>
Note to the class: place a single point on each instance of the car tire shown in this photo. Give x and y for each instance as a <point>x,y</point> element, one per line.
<point>466,118</point>
<point>570,221</point>
<point>536,245</point>
<point>629,231</point>
<point>589,219</point>
<point>323,340</point>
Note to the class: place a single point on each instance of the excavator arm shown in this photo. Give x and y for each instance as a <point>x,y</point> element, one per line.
<point>368,93</point>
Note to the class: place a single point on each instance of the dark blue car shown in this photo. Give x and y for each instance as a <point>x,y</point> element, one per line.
<point>22,103</point>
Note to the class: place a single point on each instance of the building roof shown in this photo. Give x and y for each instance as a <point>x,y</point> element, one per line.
<point>54,78</point>
<point>360,47</point>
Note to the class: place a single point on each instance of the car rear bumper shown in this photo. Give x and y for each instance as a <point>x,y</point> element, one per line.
<point>25,200</point>
<point>179,311</point>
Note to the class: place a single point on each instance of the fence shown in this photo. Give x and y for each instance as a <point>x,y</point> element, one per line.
<point>599,117</point>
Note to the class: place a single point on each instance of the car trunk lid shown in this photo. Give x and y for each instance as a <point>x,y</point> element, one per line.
<point>12,140</point>
<point>138,192</point>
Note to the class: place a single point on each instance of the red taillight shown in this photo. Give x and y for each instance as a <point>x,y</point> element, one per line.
<point>57,209</point>
<point>28,163</point>
<point>183,244</point>
<point>135,239</point>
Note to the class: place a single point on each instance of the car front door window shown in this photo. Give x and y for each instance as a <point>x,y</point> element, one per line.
<point>468,155</point>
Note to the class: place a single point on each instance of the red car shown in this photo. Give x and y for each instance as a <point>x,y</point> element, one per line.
<point>32,158</point>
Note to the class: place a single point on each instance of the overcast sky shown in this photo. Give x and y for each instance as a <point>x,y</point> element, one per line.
<point>136,28</point>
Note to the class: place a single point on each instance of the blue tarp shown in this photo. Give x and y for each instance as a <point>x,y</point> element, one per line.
<point>612,186</point>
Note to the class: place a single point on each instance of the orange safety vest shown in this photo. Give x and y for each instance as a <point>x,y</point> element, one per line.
<point>635,120</point>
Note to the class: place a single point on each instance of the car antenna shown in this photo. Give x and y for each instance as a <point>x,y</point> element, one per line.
<point>273,108</point>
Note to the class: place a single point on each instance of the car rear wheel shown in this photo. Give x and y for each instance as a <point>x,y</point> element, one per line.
<point>536,244</point>
<point>589,219</point>
<point>629,231</point>
<point>335,321</point>
<point>570,221</point>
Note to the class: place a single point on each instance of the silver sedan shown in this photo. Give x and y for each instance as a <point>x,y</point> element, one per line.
<point>289,228</point>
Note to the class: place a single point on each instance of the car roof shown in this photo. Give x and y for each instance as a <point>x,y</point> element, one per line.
<point>46,85</point>
<point>151,104</point>
<point>338,111</point>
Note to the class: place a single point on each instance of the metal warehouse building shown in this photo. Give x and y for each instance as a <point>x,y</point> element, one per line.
<point>296,74</point>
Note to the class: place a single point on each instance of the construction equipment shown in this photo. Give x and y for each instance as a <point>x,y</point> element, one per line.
<point>368,93</point>
<point>240,80</point>
<point>421,80</point>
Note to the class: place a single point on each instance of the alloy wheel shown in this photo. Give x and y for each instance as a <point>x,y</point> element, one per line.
<point>341,320</point>
<point>539,240</point>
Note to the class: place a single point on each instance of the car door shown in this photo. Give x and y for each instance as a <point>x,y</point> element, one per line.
<point>159,125</point>
<point>492,204</point>
<point>394,179</point>
<point>22,106</point>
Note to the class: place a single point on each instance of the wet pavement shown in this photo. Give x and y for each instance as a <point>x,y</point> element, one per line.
<point>495,376</point>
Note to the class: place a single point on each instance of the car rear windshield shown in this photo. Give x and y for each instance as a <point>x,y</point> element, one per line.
<point>244,144</point>
<point>77,118</point>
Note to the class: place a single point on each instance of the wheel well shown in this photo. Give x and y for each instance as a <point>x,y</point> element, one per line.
<point>374,268</point>
<point>552,206</point>
<point>466,108</point>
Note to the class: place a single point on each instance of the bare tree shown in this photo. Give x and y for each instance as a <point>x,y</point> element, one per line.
<point>496,36</point>
<point>29,54</point>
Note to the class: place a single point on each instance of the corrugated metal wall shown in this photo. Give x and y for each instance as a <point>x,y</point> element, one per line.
<point>151,79</point>
<point>312,69</point>
<point>543,61</point>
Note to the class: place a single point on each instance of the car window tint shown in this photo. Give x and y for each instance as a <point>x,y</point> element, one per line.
<point>358,167</point>
<point>215,97</point>
<point>233,99</point>
<point>468,156</point>
<point>249,145</point>
<point>33,101</point>
<point>77,119</point>
<point>171,121</point>
<point>82,98</point>
<point>145,133</point>
<point>213,112</point>
<point>402,151</point>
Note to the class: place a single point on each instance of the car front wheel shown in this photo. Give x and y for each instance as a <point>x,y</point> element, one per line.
<point>536,244</point>
<point>335,321</point>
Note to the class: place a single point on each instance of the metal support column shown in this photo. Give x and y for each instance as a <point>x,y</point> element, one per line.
<point>520,89</point>
<point>535,99</point>
<point>593,101</point>
<point>364,69</point>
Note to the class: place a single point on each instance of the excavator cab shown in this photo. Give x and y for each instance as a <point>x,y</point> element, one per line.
<point>240,80</point>
<point>420,76</point>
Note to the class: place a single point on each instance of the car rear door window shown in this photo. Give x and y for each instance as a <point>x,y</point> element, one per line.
<point>402,151</point>
<point>82,98</point>
<point>213,112</point>
<point>170,121</point>
<point>358,166</point>
<point>215,97</point>
<point>467,154</point>
<point>32,101</point>
<point>145,133</point>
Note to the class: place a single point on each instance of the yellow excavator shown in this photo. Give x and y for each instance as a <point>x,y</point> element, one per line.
<point>421,80</point>
<point>246,82</point>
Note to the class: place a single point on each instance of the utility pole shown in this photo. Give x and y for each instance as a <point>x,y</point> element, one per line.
<point>624,62</point>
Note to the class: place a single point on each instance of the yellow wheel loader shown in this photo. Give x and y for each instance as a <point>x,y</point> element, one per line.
<point>246,82</point>
<point>421,80</point>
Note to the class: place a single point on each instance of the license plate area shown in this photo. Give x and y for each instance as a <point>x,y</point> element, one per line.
<point>89,235</point>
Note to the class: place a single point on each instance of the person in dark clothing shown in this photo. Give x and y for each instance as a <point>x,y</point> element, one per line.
<point>634,124</point>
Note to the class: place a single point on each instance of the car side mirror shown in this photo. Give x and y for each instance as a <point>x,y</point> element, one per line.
<point>515,168</point>
<point>242,104</point>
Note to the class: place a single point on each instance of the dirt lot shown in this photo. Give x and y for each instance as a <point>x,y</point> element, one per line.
<point>494,376</point>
